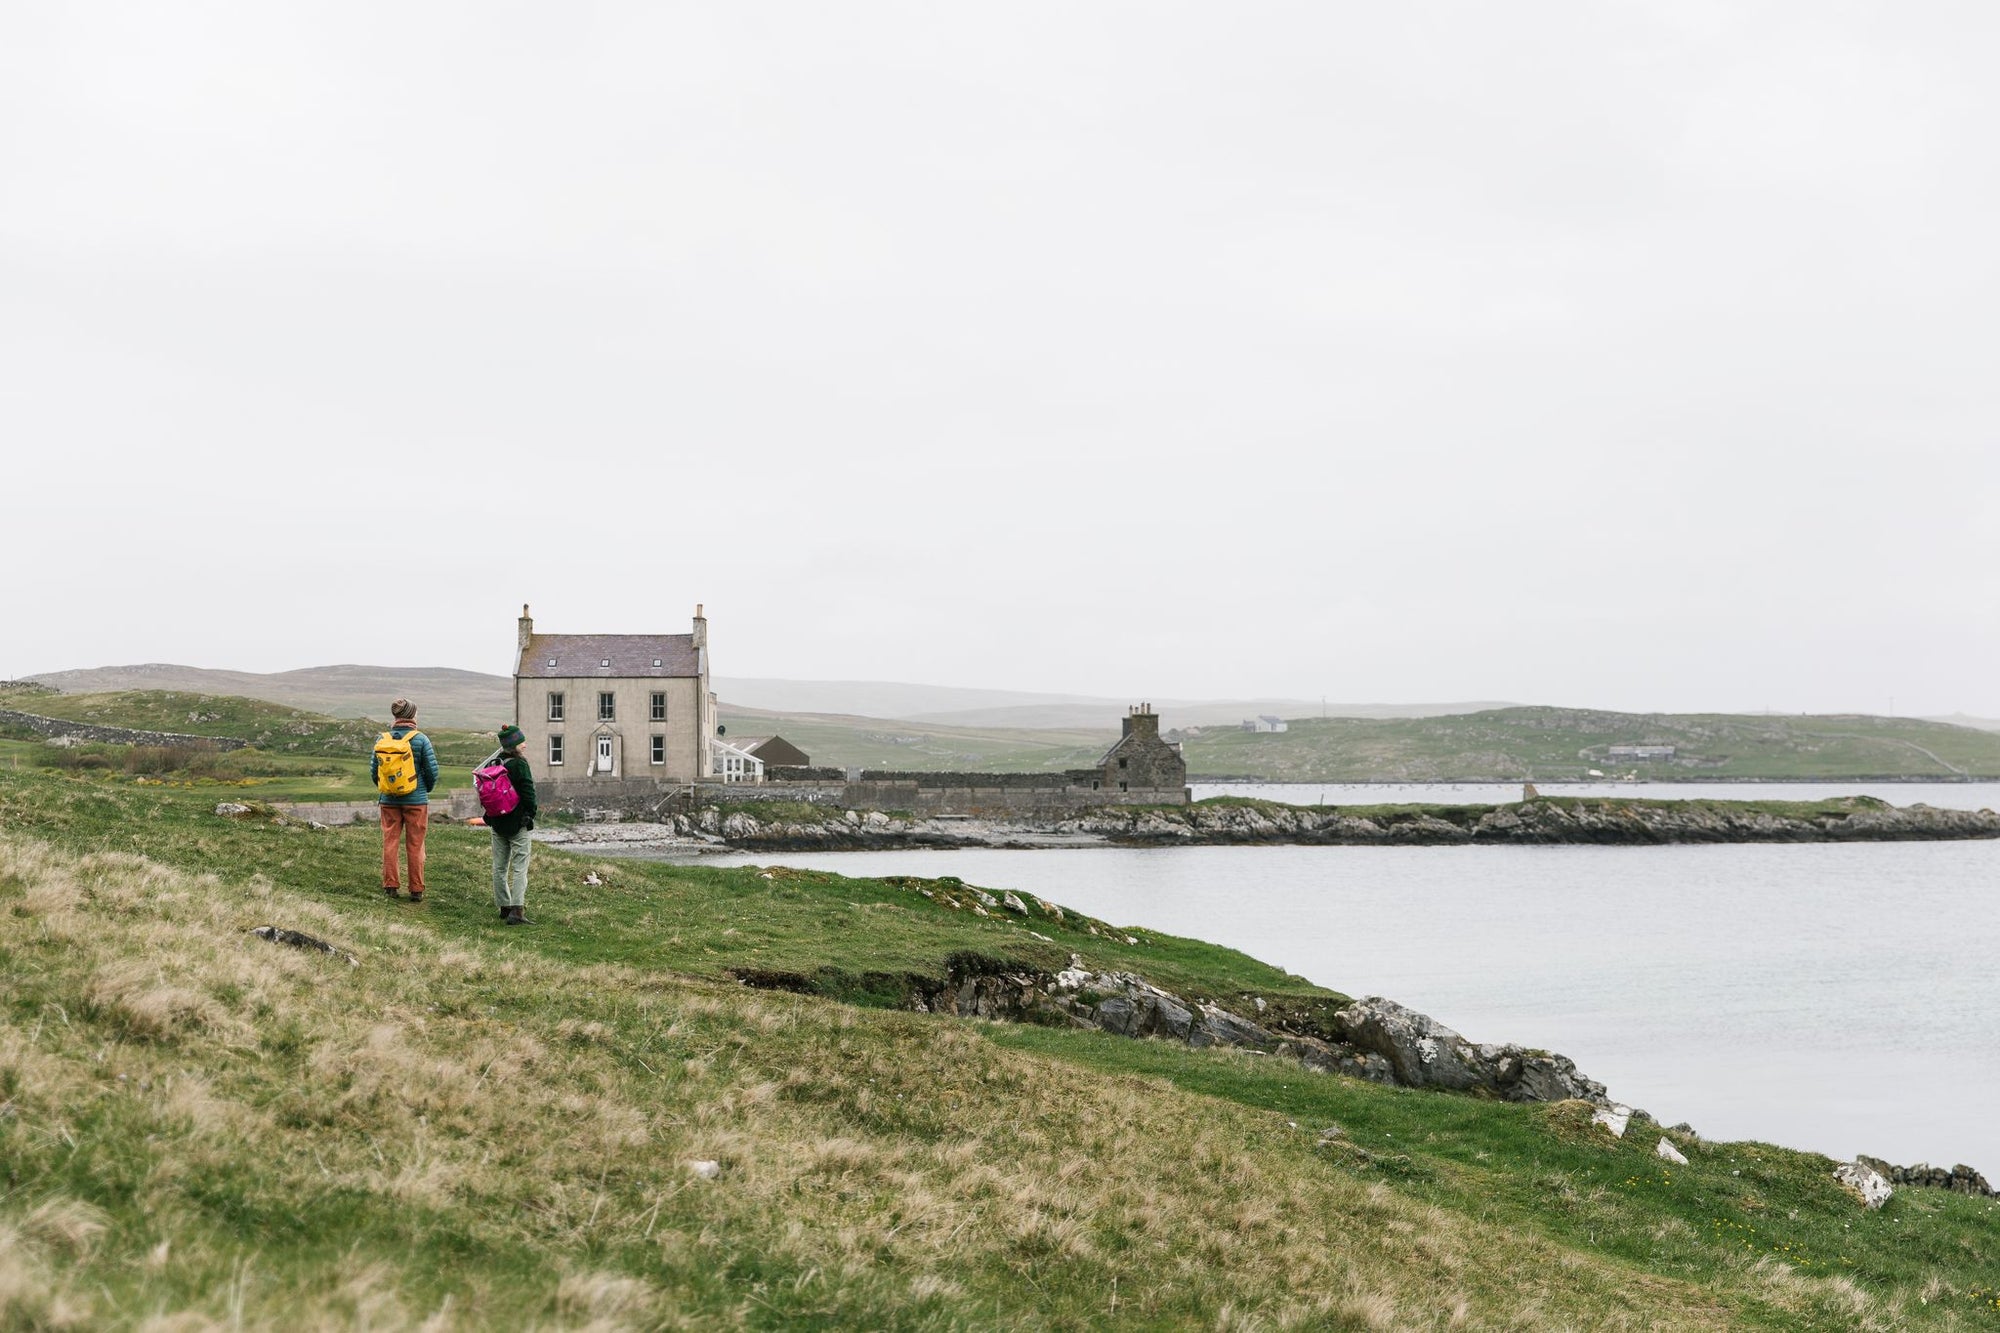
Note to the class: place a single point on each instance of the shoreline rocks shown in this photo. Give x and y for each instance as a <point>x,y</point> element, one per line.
<point>1540,821</point>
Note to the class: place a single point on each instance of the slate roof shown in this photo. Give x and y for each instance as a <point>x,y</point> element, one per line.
<point>629,654</point>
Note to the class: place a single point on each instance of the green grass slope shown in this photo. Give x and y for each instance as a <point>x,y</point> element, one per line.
<point>478,1127</point>
<point>1557,743</point>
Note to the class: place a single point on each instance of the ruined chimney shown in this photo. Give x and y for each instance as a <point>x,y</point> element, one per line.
<point>700,628</point>
<point>526,631</point>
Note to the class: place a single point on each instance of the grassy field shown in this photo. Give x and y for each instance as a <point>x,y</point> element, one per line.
<point>1547,744</point>
<point>293,755</point>
<point>480,1127</point>
<point>841,741</point>
<point>272,728</point>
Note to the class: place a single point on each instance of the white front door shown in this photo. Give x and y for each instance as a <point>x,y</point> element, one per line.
<point>604,754</point>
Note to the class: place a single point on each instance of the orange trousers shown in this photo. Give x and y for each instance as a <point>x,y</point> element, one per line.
<point>405,824</point>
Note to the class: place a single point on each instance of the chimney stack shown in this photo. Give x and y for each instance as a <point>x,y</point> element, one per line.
<point>700,628</point>
<point>1141,720</point>
<point>525,632</point>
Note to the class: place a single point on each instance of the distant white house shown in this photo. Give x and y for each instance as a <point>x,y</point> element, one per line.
<point>1265,722</point>
<point>1642,752</point>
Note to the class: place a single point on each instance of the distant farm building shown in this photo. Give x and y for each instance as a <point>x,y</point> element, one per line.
<point>746,759</point>
<point>774,751</point>
<point>1641,752</point>
<point>1265,722</point>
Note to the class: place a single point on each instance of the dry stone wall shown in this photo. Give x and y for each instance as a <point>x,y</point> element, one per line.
<point>84,731</point>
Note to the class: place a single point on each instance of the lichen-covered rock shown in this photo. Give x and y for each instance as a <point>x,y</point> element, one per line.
<point>1865,1183</point>
<point>1423,1052</point>
<point>1614,1117</point>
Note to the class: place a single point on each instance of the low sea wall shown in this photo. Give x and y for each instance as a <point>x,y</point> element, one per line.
<point>1018,795</point>
<point>993,794</point>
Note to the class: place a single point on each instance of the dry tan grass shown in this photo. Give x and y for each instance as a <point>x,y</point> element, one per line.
<point>881,1160</point>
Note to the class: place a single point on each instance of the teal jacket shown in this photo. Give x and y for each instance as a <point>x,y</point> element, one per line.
<point>427,767</point>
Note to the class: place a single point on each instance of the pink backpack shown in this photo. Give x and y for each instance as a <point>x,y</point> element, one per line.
<point>496,790</point>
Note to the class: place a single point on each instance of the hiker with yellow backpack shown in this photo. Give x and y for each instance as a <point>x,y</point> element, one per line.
<point>404,769</point>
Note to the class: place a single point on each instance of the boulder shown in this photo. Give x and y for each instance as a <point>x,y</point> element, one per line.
<point>1670,1153</point>
<point>1423,1052</point>
<point>298,939</point>
<point>1865,1183</point>
<point>1521,1075</point>
<point>1218,1027</point>
<point>1614,1117</point>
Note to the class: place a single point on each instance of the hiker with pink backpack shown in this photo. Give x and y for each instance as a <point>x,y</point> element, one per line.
<point>506,790</point>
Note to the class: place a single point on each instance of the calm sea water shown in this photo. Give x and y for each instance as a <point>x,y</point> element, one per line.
<point>1839,998</point>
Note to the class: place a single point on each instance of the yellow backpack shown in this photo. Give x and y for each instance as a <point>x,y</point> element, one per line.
<point>395,765</point>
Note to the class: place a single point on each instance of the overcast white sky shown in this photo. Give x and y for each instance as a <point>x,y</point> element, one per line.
<point>1633,355</point>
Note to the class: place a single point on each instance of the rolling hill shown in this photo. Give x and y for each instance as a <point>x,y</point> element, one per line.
<point>477,701</point>
<point>1556,743</point>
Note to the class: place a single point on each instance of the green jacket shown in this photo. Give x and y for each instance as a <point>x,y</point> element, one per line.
<point>427,767</point>
<point>523,815</point>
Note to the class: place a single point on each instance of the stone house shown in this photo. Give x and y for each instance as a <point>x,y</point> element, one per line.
<point>610,714</point>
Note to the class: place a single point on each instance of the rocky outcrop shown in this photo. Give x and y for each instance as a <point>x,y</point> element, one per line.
<point>1423,1053</point>
<point>1374,1038</point>
<point>1540,821</point>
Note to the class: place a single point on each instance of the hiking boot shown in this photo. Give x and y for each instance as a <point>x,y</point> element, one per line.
<point>516,918</point>
<point>416,897</point>
<point>390,889</point>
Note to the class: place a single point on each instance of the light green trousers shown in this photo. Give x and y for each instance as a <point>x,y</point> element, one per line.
<point>510,869</point>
